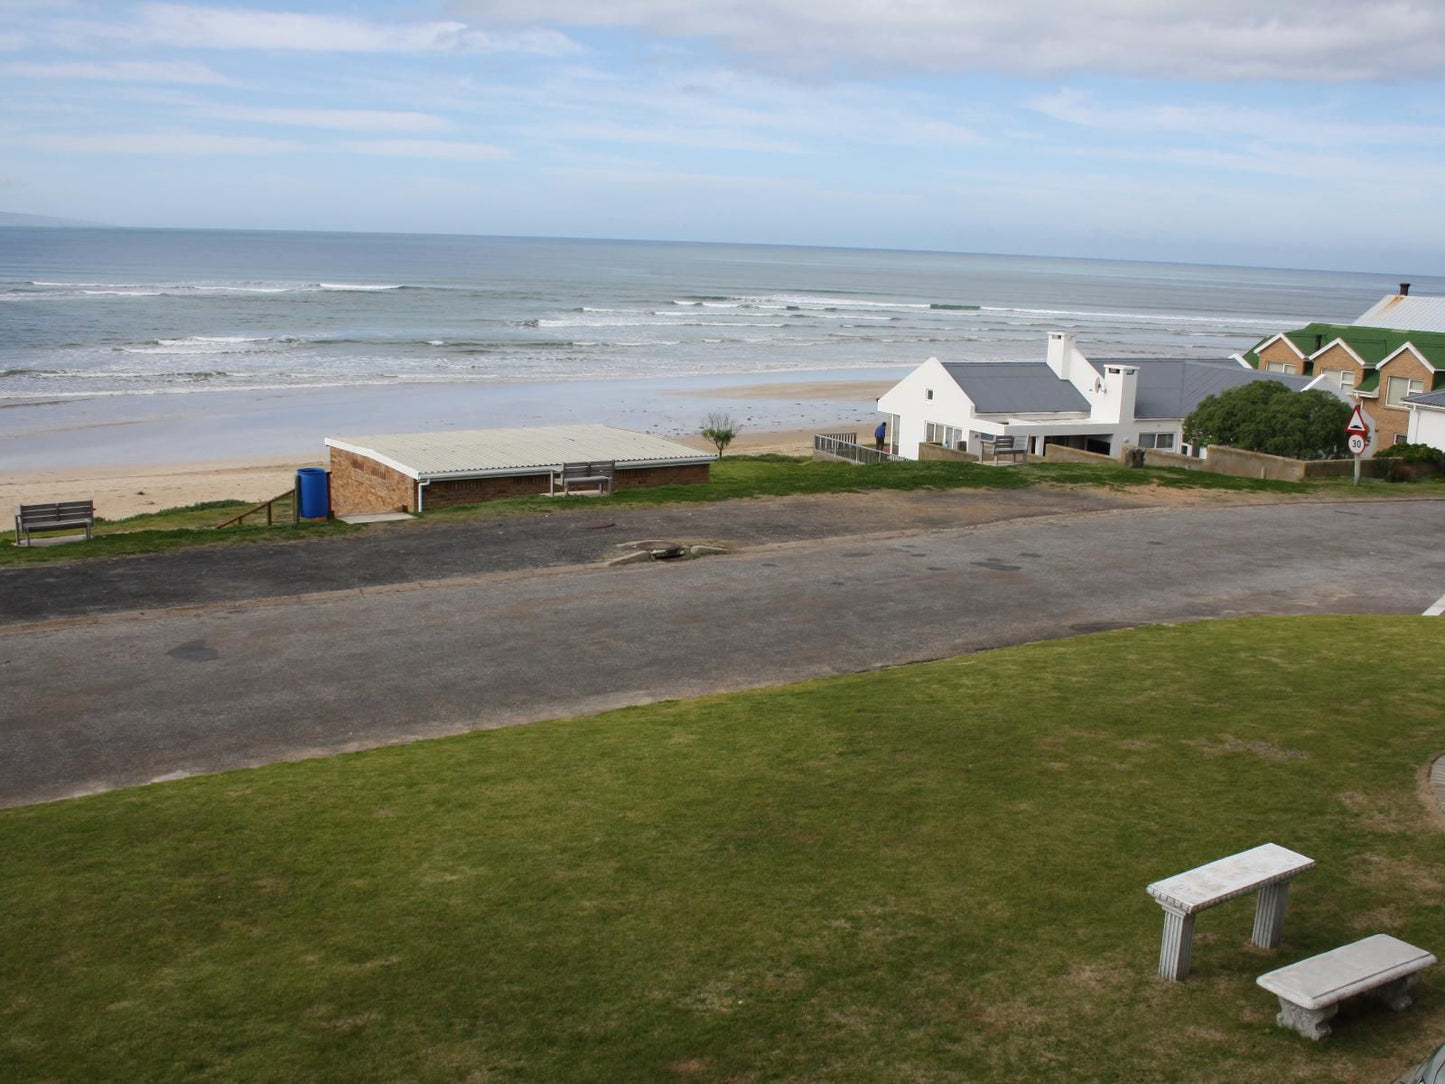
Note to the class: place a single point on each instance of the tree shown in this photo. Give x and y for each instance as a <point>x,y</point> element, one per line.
<point>1266,416</point>
<point>719,430</point>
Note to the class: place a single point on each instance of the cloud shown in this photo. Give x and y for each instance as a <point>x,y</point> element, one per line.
<point>190,27</point>
<point>174,143</point>
<point>1213,40</point>
<point>424,148</point>
<point>1233,123</point>
<point>345,120</point>
<point>121,71</point>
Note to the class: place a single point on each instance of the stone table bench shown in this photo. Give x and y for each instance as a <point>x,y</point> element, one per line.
<point>1310,992</point>
<point>1266,869</point>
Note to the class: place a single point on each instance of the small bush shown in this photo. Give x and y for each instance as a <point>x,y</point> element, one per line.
<point>1413,453</point>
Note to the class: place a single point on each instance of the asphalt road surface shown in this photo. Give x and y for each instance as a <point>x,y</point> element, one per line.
<point>125,698</point>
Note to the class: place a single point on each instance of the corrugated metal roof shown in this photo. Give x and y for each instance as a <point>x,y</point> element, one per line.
<point>1173,387</point>
<point>460,453</point>
<point>1008,387</point>
<point>1406,312</point>
<point>1427,398</point>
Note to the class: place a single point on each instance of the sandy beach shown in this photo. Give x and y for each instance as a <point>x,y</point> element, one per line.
<point>154,452</point>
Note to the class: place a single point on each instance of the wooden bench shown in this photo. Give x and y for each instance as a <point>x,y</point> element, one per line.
<point>1005,446</point>
<point>593,474</point>
<point>1267,869</point>
<point>1310,992</point>
<point>61,515</point>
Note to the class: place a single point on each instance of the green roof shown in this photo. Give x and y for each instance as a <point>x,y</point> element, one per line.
<point>1372,344</point>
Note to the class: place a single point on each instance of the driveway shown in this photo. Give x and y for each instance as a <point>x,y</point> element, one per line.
<point>133,697</point>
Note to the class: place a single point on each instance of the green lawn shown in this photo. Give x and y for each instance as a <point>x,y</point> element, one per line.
<point>732,478</point>
<point>931,873</point>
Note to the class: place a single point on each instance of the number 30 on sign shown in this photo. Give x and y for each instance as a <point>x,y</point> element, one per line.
<point>1356,444</point>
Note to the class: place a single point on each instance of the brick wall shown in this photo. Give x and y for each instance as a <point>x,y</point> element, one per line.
<point>1337,359</point>
<point>639,477</point>
<point>1279,351</point>
<point>1391,421</point>
<point>359,484</point>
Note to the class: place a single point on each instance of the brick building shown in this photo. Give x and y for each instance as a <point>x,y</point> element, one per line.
<point>1377,361</point>
<point>411,472</point>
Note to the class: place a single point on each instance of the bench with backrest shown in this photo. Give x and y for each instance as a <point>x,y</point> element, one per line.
<point>1311,991</point>
<point>1005,446</point>
<point>593,475</point>
<point>57,516</point>
<point>1266,869</point>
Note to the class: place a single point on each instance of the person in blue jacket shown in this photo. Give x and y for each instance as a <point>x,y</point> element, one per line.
<point>879,434</point>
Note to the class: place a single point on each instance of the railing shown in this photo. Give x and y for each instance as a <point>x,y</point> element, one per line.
<point>269,507</point>
<point>846,446</point>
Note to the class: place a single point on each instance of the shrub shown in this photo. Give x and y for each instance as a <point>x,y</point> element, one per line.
<point>1413,453</point>
<point>1266,416</point>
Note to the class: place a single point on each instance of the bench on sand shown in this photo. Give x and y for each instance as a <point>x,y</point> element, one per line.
<point>596,475</point>
<point>1266,869</point>
<point>57,516</point>
<point>1310,992</point>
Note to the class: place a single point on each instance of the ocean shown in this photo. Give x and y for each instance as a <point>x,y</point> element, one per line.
<point>123,312</point>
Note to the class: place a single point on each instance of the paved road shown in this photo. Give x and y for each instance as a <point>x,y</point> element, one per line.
<point>394,554</point>
<point>128,698</point>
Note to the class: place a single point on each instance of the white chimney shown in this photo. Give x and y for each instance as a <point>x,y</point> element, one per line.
<point>1121,389</point>
<point>1061,350</point>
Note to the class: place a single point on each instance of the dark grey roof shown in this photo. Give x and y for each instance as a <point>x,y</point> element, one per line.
<point>1173,387</point>
<point>1007,387</point>
<point>1427,398</point>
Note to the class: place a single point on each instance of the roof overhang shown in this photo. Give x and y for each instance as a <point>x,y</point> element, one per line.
<point>1337,341</point>
<point>506,472</point>
<point>1413,349</point>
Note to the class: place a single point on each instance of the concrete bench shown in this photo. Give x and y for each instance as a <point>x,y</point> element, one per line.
<point>1310,992</point>
<point>60,515</point>
<point>592,474</point>
<point>1266,869</point>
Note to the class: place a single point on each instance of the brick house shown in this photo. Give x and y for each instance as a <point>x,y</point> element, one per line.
<point>1378,367</point>
<point>409,472</point>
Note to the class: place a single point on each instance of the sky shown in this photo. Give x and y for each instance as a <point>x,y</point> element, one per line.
<point>1293,133</point>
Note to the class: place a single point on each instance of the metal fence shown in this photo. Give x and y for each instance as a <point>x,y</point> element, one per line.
<point>846,446</point>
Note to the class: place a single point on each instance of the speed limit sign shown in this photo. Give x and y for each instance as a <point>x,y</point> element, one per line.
<point>1356,444</point>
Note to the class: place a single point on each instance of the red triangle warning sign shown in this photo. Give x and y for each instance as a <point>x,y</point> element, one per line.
<point>1357,424</point>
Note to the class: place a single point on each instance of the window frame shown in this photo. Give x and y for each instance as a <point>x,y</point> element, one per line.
<point>1409,382</point>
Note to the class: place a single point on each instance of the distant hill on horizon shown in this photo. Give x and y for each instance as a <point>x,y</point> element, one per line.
<point>15,218</point>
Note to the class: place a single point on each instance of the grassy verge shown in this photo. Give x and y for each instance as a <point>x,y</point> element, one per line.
<point>921,874</point>
<point>169,529</point>
<point>733,478</point>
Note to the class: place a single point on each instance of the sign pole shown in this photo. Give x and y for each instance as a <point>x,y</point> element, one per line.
<point>1358,433</point>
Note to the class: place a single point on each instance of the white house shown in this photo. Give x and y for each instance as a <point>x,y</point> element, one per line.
<point>1427,419</point>
<point>1097,405</point>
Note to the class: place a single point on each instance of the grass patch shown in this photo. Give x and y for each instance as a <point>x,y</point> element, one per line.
<point>737,477</point>
<point>921,874</point>
<point>733,478</point>
<point>171,529</point>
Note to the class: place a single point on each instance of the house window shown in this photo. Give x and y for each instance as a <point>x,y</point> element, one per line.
<point>1278,367</point>
<point>928,394</point>
<point>1397,387</point>
<point>1162,441</point>
<point>1347,378</point>
<point>1400,438</point>
<point>947,435</point>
